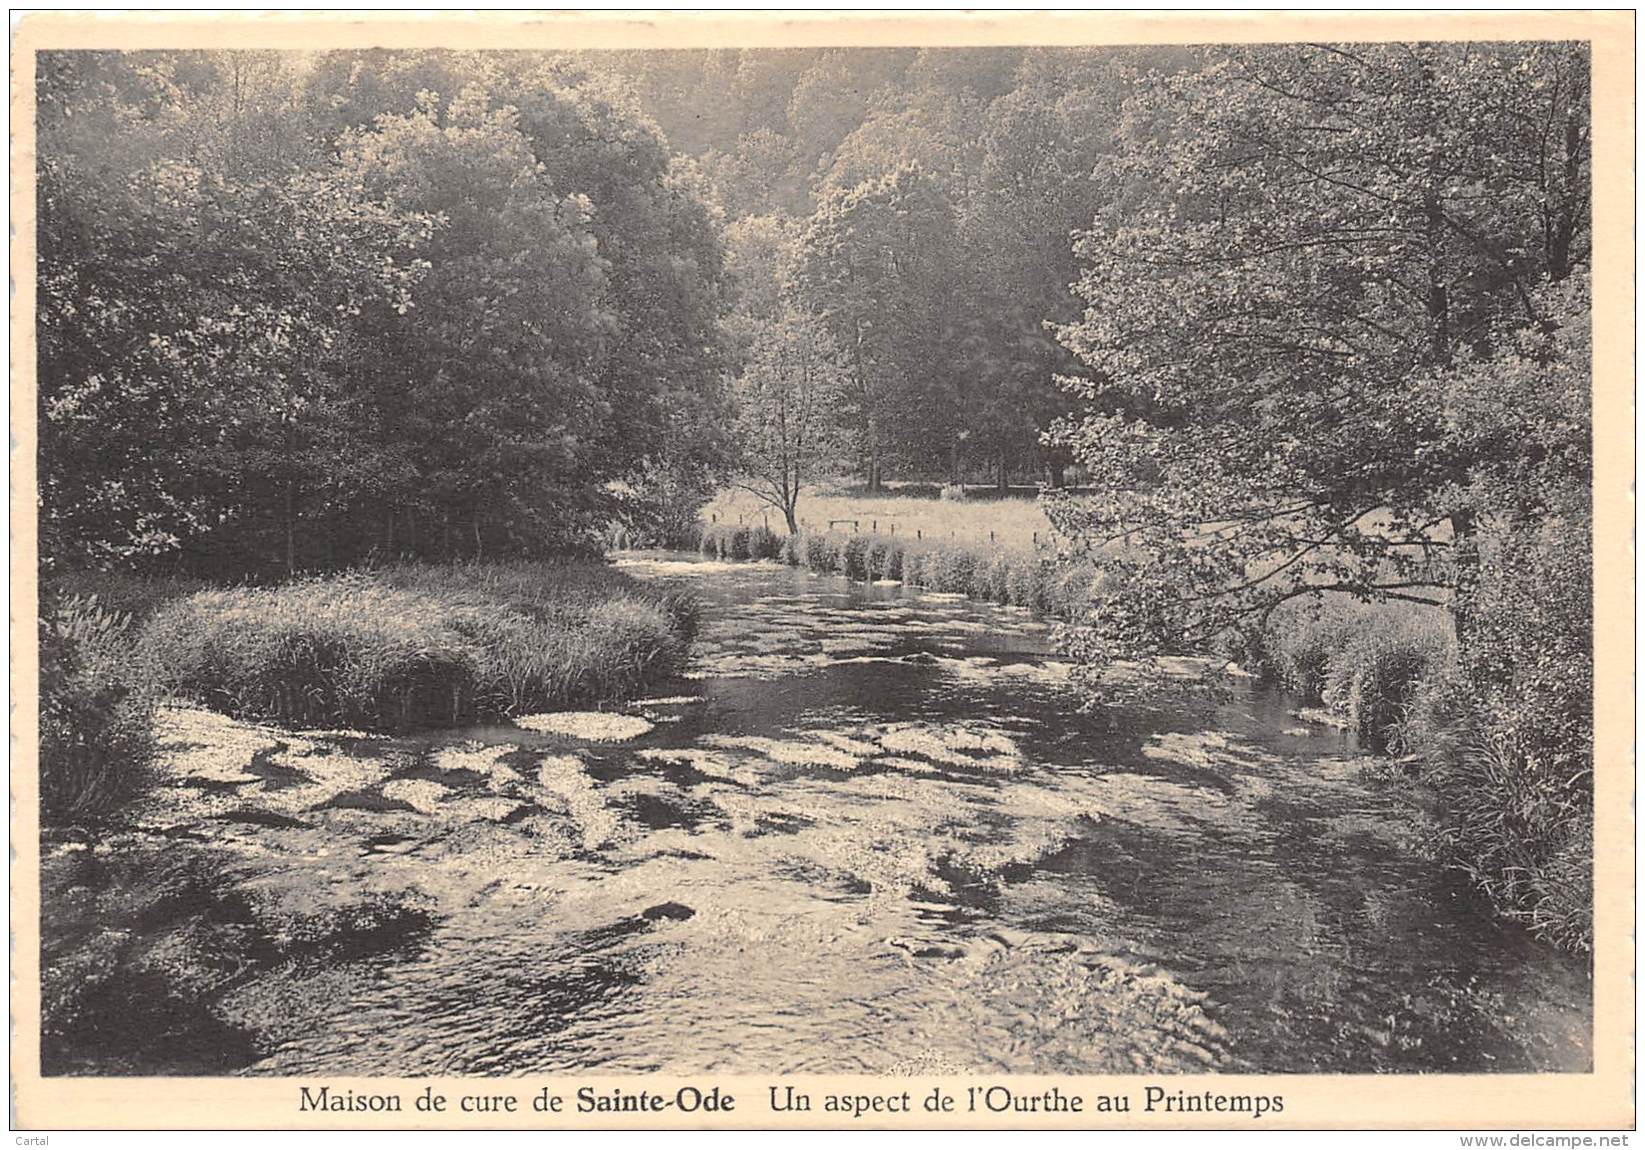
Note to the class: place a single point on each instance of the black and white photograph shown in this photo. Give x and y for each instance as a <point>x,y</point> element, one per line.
<point>912,561</point>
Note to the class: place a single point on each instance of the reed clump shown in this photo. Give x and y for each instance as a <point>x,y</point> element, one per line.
<point>411,645</point>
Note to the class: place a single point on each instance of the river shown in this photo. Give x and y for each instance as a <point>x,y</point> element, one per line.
<point>871,831</point>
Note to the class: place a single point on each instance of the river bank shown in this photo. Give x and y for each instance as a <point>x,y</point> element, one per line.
<point>864,830</point>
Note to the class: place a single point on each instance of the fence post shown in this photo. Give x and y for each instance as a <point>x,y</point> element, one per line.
<point>874,524</point>
<point>713,516</point>
<point>990,537</point>
<point>919,533</point>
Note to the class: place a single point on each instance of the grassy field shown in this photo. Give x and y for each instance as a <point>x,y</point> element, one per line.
<point>1015,521</point>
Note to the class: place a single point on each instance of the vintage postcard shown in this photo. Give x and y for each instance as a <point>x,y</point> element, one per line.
<point>804,570</point>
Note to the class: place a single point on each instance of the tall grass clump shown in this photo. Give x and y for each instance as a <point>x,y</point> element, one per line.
<point>1303,637</point>
<point>1376,680</point>
<point>738,542</point>
<point>993,576</point>
<point>822,552</point>
<point>854,557</point>
<point>950,569</point>
<point>885,558</point>
<point>96,711</point>
<point>1492,704</point>
<point>1027,585</point>
<point>123,592</point>
<point>1007,575</point>
<point>792,550</point>
<point>1516,777</point>
<point>406,646</point>
<point>1369,663</point>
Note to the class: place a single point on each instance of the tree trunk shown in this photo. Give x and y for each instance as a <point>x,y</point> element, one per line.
<point>1464,567</point>
<point>1559,248</point>
<point>1439,319</point>
<point>291,526</point>
<point>1004,483</point>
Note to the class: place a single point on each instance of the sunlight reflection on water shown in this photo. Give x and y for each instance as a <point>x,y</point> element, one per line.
<point>872,833</point>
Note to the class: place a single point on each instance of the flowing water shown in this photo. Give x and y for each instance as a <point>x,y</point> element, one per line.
<point>871,832</point>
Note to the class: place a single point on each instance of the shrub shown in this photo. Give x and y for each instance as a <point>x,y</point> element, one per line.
<point>854,557</point>
<point>1527,622</point>
<point>884,558</point>
<point>993,575</point>
<point>708,544</point>
<point>1518,786</point>
<point>953,492</point>
<point>684,537</point>
<point>407,645</point>
<point>1374,678</point>
<point>822,553</point>
<point>763,543</point>
<point>1302,637</point>
<point>95,712</point>
<point>950,569</point>
<point>1026,585</point>
<point>793,549</point>
<point>738,543</point>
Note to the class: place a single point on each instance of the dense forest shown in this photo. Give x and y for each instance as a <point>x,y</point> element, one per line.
<point>298,308</point>
<point>1304,321</point>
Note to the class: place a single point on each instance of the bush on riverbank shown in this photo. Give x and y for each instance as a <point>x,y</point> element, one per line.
<point>1366,663</point>
<point>1007,576</point>
<point>95,714</point>
<point>734,542</point>
<point>408,645</point>
<point>1519,769</point>
<point>1500,729</point>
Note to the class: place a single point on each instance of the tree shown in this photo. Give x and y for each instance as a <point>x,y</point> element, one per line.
<point>789,397</point>
<point>875,266</point>
<point>196,323</point>
<point>295,310</point>
<point>1336,231</point>
<point>491,384</point>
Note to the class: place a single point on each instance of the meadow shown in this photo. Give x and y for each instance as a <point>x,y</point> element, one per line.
<point>906,511</point>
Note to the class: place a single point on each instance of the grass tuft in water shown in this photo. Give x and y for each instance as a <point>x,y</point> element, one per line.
<point>410,645</point>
